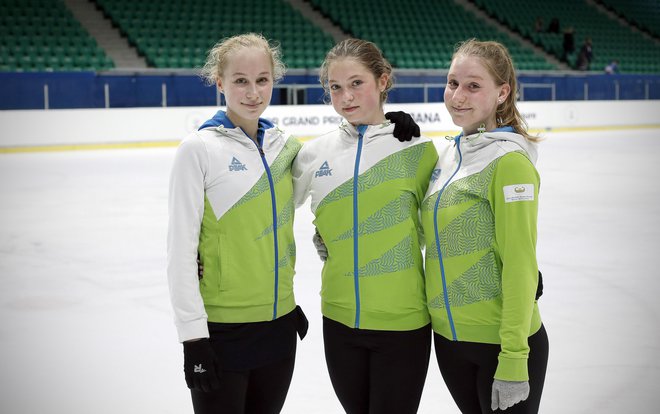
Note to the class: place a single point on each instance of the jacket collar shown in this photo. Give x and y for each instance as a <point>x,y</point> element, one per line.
<point>504,135</point>
<point>350,133</point>
<point>221,124</point>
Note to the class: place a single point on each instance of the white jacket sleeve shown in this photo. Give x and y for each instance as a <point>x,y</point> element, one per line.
<point>186,208</point>
<point>301,178</point>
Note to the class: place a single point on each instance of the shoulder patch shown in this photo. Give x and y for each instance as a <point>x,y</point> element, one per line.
<point>518,192</point>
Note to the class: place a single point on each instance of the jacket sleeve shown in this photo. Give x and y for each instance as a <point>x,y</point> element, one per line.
<point>186,208</point>
<point>514,197</point>
<point>425,169</point>
<point>423,179</point>
<point>301,178</point>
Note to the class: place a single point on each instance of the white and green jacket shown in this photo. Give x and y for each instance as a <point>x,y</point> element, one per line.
<point>366,188</point>
<point>231,201</point>
<point>479,218</point>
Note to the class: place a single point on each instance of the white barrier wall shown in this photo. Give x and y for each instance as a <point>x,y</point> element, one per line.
<point>26,128</point>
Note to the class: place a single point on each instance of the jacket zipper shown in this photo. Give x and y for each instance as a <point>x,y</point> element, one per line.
<point>356,267</point>
<point>457,140</point>
<point>259,144</point>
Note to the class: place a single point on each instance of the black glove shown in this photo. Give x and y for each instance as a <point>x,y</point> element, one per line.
<point>200,268</point>
<point>539,287</point>
<point>404,125</point>
<point>201,365</point>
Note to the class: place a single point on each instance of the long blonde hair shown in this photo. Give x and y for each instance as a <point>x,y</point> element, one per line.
<point>219,55</point>
<point>497,60</point>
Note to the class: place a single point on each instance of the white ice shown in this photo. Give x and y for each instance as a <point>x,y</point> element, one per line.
<point>86,324</point>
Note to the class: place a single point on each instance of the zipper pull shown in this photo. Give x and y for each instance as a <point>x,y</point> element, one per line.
<point>361,129</point>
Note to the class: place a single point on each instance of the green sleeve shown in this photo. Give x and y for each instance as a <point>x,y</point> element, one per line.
<point>424,172</point>
<point>426,166</point>
<point>514,199</point>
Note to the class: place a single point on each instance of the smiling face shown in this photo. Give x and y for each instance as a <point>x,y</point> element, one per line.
<point>247,83</point>
<point>355,92</point>
<point>471,95</point>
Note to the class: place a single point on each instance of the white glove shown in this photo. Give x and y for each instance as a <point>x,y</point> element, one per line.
<point>320,246</point>
<point>507,393</point>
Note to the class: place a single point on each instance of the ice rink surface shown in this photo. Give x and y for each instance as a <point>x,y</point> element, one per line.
<point>86,325</point>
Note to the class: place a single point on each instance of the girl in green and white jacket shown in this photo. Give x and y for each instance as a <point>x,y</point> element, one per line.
<point>479,218</point>
<point>231,205</point>
<point>366,188</point>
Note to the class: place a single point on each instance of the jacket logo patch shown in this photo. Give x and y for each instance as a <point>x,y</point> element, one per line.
<point>323,171</point>
<point>236,165</point>
<point>435,174</point>
<point>518,192</point>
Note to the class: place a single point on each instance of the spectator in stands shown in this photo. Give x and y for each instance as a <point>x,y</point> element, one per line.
<point>539,26</point>
<point>366,188</point>
<point>231,208</point>
<point>585,55</point>
<point>568,44</point>
<point>553,27</point>
<point>482,291</point>
<point>612,67</point>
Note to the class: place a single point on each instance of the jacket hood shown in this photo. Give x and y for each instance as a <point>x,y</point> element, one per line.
<point>504,135</point>
<point>220,119</point>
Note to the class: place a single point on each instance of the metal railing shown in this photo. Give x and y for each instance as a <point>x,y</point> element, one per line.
<point>296,94</point>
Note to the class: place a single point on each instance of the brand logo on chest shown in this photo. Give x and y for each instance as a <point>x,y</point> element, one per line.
<point>325,170</point>
<point>236,165</point>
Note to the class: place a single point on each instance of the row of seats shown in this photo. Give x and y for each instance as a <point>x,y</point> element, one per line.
<point>610,40</point>
<point>425,32</point>
<point>43,35</point>
<point>644,14</point>
<point>149,28</point>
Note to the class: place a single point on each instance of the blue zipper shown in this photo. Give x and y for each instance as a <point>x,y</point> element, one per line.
<point>259,144</point>
<point>356,268</point>
<point>457,140</point>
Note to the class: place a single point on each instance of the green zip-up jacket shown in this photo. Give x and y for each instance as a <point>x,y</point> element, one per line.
<point>366,188</point>
<point>479,219</point>
<point>231,201</point>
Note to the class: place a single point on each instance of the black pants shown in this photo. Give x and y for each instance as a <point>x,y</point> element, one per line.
<point>377,372</point>
<point>468,369</point>
<point>256,391</point>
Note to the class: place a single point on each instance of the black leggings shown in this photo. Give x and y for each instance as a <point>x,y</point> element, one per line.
<point>256,391</point>
<point>468,369</point>
<point>377,372</point>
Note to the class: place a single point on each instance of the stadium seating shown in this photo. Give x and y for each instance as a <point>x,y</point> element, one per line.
<point>645,14</point>
<point>38,35</point>
<point>611,41</point>
<point>421,33</point>
<point>175,34</point>
<point>43,35</point>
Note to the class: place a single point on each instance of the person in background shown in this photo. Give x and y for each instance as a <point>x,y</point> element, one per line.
<point>366,188</point>
<point>568,44</point>
<point>553,26</point>
<point>585,55</point>
<point>230,202</point>
<point>612,67</point>
<point>480,221</point>
<point>539,26</point>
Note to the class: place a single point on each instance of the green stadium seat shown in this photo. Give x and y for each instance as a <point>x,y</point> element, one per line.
<point>40,34</point>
